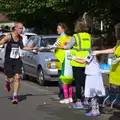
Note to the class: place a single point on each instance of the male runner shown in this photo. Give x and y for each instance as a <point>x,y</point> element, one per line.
<point>13,63</point>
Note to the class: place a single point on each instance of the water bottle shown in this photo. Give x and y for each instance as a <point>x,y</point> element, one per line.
<point>110,59</point>
<point>114,60</point>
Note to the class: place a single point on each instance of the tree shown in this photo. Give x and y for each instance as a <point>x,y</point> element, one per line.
<point>42,12</point>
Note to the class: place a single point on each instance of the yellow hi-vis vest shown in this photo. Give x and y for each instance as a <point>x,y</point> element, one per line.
<point>117,49</point>
<point>81,48</point>
<point>60,53</point>
<point>115,68</point>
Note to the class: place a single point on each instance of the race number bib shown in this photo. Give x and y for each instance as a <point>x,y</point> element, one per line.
<point>15,53</point>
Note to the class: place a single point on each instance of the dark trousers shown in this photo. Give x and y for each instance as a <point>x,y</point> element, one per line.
<point>60,94</point>
<point>79,76</point>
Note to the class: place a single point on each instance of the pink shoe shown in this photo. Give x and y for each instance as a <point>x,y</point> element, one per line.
<point>15,100</point>
<point>7,86</point>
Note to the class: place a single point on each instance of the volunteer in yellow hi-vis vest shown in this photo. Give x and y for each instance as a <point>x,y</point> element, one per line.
<point>114,77</point>
<point>115,68</point>
<point>66,76</point>
<point>59,53</point>
<point>80,46</point>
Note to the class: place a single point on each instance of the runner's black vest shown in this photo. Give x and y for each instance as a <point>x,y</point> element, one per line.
<point>12,49</point>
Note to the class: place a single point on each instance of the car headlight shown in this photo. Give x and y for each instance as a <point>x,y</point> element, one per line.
<point>51,65</point>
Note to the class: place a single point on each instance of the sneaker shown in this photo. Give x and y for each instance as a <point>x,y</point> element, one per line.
<point>77,106</point>
<point>15,100</point>
<point>86,105</point>
<point>70,100</point>
<point>7,86</point>
<point>64,101</point>
<point>95,114</point>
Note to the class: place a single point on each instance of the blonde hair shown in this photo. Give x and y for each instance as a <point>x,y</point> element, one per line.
<point>80,26</point>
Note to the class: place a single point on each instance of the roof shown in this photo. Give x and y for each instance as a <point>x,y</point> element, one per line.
<point>49,36</point>
<point>29,33</point>
<point>3,17</point>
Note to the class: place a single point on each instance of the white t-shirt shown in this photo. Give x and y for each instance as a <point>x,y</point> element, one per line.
<point>92,67</point>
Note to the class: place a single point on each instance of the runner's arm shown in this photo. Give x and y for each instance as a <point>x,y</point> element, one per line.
<point>27,47</point>
<point>30,48</point>
<point>4,39</point>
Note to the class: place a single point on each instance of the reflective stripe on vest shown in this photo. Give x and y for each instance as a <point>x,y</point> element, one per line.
<point>80,48</point>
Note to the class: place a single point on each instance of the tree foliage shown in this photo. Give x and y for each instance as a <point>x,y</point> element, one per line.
<point>47,13</point>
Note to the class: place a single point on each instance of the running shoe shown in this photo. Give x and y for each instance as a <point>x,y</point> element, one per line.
<point>78,106</point>
<point>91,114</point>
<point>7,86</point>
<point>15,100</point>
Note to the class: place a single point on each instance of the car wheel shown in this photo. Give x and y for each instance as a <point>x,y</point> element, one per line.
<point>40,77</point>
<point>23,76</point>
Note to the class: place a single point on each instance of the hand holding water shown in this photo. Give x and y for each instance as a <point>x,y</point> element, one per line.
<point>116,61</point>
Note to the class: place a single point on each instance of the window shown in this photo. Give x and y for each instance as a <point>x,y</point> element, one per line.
<point>37,41</point>
<point>33,41</point>
<point>47,41</point>
<point>30,41</point>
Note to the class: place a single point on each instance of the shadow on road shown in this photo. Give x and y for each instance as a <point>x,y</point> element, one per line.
<point>24,97</point>
<point>47,84</point>
<point>115,116</point>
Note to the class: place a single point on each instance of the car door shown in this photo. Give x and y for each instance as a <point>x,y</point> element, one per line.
<point>25,56</point>
<point>31,56</point>
<point>2,54</point>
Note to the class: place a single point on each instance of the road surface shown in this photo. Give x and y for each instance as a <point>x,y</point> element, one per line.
<point>37,103</point>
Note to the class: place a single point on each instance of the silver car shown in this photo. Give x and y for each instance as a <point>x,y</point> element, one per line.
<point>41,65</point>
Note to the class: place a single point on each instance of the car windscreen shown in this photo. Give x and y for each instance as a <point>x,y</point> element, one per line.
<point>45,42</point>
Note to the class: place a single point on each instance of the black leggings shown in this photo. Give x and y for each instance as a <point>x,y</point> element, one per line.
<point>79,76</point>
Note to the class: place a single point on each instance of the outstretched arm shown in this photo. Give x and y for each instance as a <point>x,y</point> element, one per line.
<point>77,59</point>
<point>33,47</point>
<point>60,47</point>
<point>30,48</point>
<point>80,60</point>
<point>107,51</point>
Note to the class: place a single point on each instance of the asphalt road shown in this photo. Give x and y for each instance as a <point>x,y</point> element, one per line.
<point>36,103</point>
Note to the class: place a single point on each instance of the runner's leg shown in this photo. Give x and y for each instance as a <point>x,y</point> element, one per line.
<point>17,69</point>
<point>8,69</point>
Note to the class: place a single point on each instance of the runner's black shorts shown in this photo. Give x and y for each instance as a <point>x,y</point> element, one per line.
<point>12,67</point>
